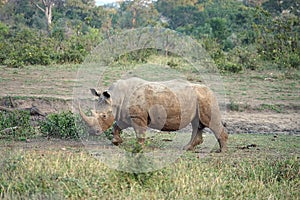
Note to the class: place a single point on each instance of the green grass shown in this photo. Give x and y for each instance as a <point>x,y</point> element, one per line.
<point>277,108</point>
<point>255,167</point>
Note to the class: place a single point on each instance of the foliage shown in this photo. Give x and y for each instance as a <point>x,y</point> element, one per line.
<point>133,57</point>
<point>27,47</point>
<point>277,8</point>
<point>137,13</point>
<point>19,124</point>
<point>269,170</point>
<point>269,28</point>
<point>64,125</point>
<point>24,46</point>
<point>278,39</point>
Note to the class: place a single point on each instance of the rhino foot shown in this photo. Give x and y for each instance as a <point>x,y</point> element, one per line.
<point>189,147</point>
<point>223,150</point>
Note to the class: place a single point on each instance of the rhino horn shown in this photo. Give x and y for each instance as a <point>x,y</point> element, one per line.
<point>91,121</point>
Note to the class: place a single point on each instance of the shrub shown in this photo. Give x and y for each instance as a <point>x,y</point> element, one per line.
<point>278,38</point>
<point>290,60</point>
<point>247,57</point>
<point>62,125</point>
<point>26,47</point>
<point>231,67</point>
<point>17,124</point>
<point>137,56</point>
<point>21,46</point>
<point>219,28</point>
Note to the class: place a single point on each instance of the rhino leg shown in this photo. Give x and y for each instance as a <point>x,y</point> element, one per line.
<point>221,135</point>
<point>140,127</point>
<point>140,134</point>
<point>210,117</point>
<point>116,133</point>
<point>196,136</point>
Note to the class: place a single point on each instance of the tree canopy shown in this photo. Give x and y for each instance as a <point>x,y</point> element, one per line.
<point>236,33</point>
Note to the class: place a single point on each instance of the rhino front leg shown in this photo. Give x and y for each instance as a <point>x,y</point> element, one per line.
<point>140,134</point>
<point>140,127</point>
<point>116,135</point>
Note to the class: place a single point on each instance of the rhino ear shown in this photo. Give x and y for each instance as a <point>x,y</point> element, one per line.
<point>106,94</point>
<point>94,92</point>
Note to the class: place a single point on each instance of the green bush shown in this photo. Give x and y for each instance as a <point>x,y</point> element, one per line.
<point>247,57</point>
<point>21,46</point>
<point>219,28</point>
<point>290,60</point>
<point>137,56</point>
<point>17,125</point>
<point>26,47</point>
<point>231,67</point>
<point>62,125</point>
<point>278,39</point>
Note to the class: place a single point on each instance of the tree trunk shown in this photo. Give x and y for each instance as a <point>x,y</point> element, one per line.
<point>47,10</point>
<point>48,15</point>
<point>134,14</point>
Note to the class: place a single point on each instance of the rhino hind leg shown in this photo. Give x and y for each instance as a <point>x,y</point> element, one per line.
<point>221,136</point>
<point>220,133</point>
<point>197,137</point>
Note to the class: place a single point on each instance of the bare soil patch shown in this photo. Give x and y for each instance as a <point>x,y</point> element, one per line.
<point>248,121</point>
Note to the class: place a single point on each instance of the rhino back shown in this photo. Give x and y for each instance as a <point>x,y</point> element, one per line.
<point>121,92</point>
<point>169,105</point>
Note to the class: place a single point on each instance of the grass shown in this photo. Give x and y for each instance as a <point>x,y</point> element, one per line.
<point>255,167</point>
<point>250,87</point>
<point>272,107</point>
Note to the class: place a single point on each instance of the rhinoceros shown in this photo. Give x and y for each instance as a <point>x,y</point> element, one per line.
<point>166,106</point>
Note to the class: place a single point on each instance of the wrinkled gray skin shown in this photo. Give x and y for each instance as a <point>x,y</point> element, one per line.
<point>166,106</point>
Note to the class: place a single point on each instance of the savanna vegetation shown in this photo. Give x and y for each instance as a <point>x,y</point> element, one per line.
<point>256,167</point>
<point>237,34</point>
<point>255,44</point>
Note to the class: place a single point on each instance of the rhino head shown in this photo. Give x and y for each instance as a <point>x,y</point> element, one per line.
<point>102,117</point>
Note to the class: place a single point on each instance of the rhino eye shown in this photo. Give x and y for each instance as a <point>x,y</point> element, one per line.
<point>103,115</point>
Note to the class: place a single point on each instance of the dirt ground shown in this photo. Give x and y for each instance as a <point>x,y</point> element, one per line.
<point>262,102</point>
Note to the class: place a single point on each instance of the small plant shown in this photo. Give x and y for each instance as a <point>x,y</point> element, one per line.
<point>63,125</point>
<point>234,106</point>
<point>232,67</point>
<point>271,107</point>
<point>172,64</point>
<point>16,125</point>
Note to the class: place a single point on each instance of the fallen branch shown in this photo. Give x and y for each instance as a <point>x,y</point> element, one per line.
<point>12,102</point>
<point>33,110</point>
<point>7,109</point>
<point>9,130</point>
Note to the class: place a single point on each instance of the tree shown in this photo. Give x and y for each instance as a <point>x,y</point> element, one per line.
<point>136,13</point>
<point>282,7</point>
<point>16,12</point>
<point>3,2</point>
<point>183,15</point>
<point>46,7</point>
